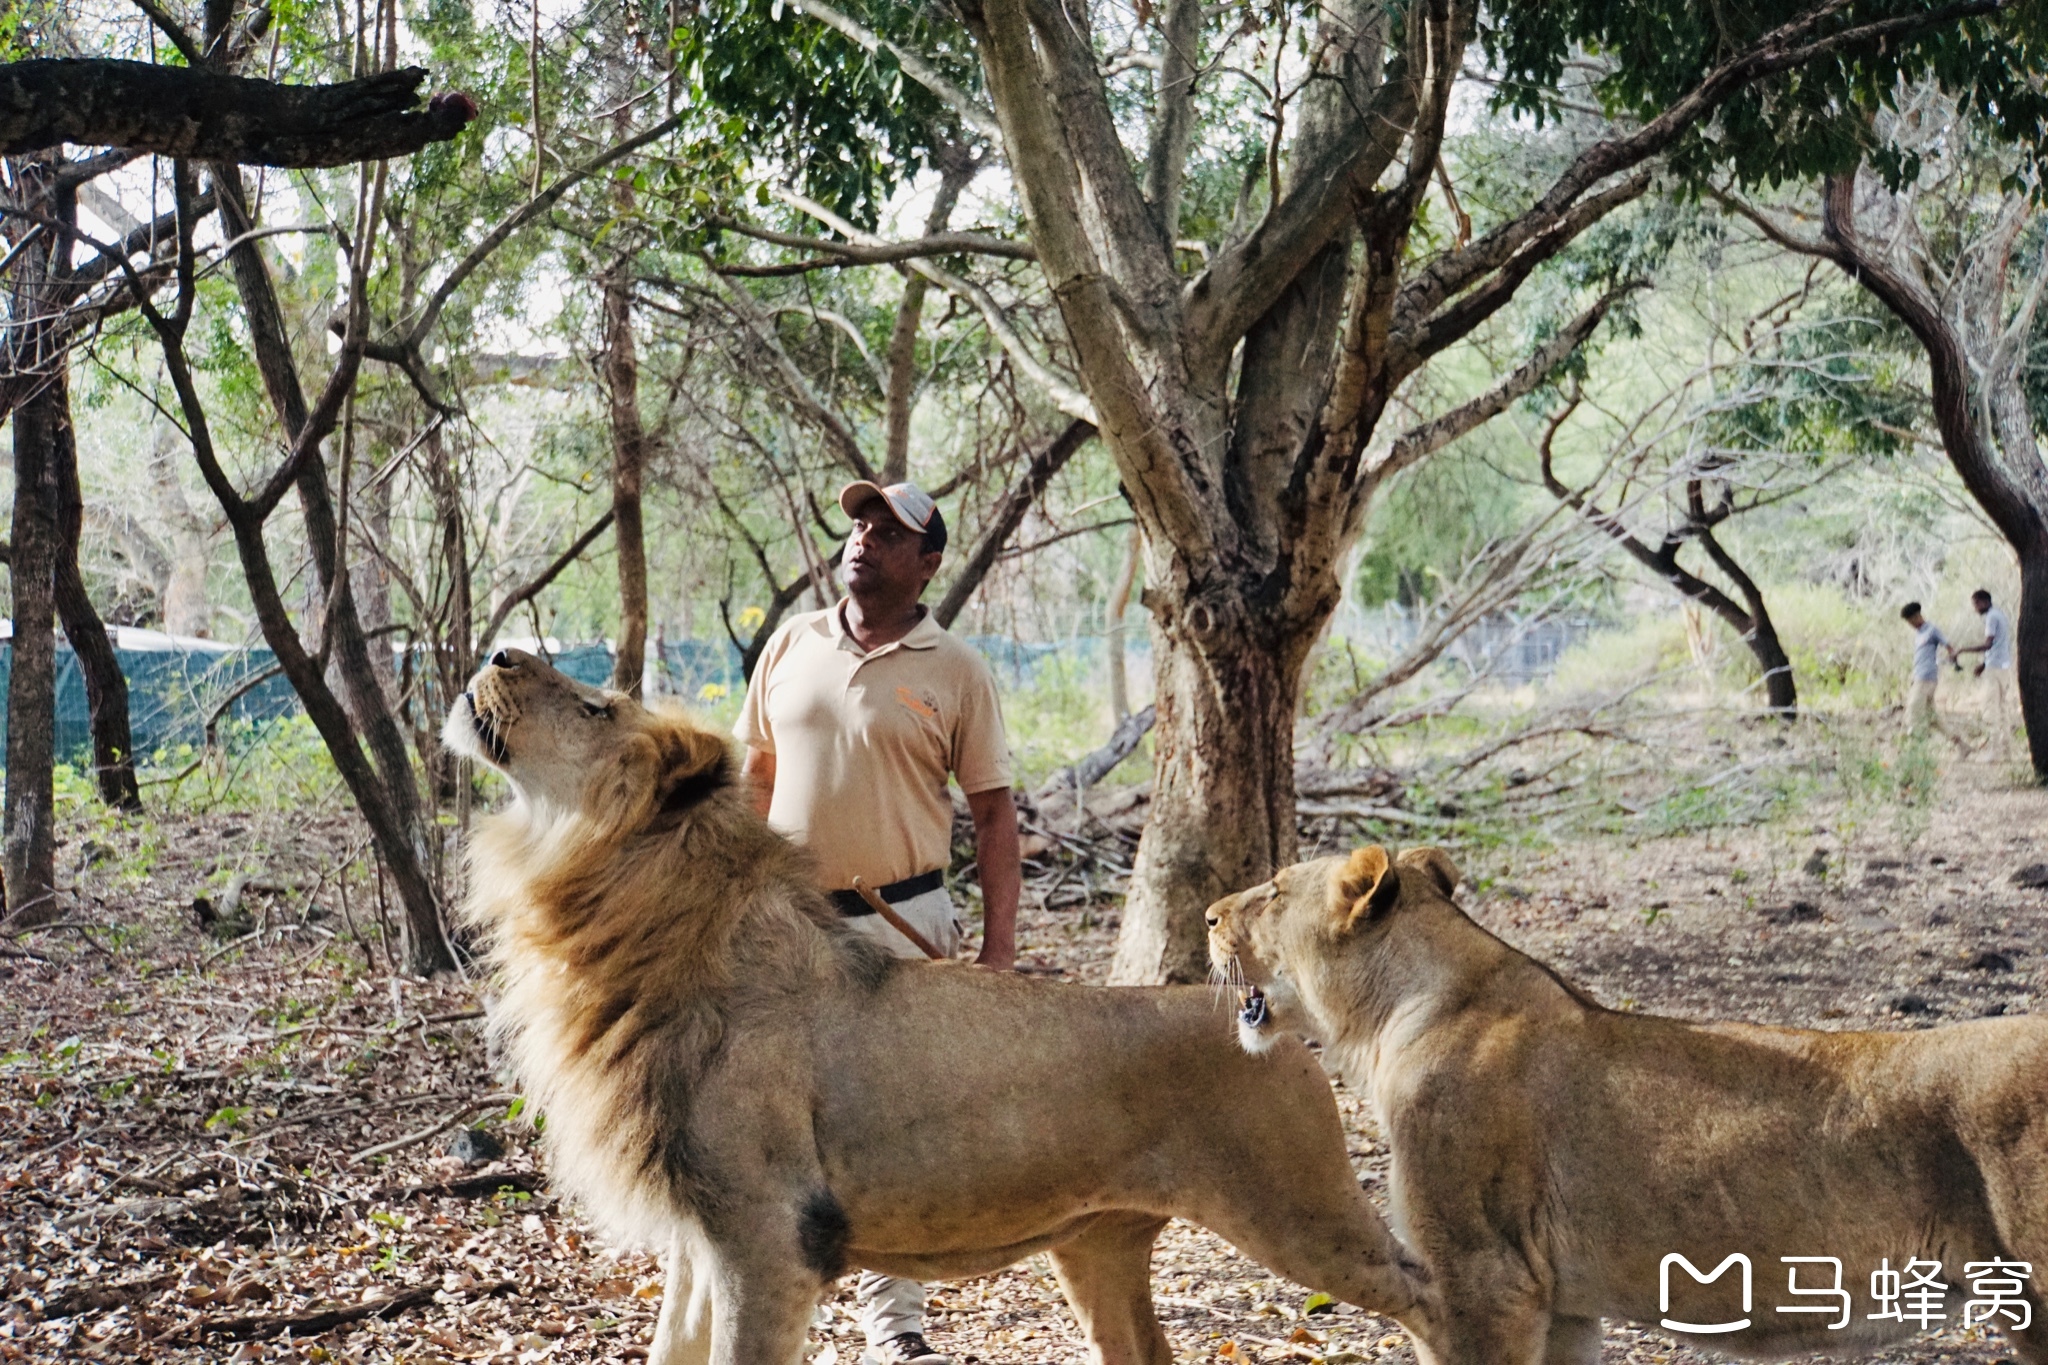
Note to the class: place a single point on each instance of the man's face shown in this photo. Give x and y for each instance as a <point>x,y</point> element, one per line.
<point>1982,604</point>
<point>883,555</point>
<point>1916,620</point>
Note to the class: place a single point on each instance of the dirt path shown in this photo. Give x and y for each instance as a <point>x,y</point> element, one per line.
<point>188,1173</point>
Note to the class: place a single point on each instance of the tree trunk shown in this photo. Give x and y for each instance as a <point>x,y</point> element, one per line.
<point>1223,801</point>
<point>106,691</point>
<point>390,787</point>
<point>35,361</point>
<point>901,363</point>
<point>1114,618</point>
<point>30,822</point>
<point>629,462</point>
<point>183,608</point>
<point>1781,692</point>
<point>2030,637</point>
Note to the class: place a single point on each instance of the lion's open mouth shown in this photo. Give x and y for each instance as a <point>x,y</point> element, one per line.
<point>1252,1011</point>
<point>487,732</point>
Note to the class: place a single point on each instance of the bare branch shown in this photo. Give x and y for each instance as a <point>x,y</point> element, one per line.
<point>430,311</point>
<point>534,586</point>
<point>1435,434</point>
<point>1064,396</point>
<point>845,446</point>
<point>877,252</point>
<point>1009,514</point>
<point>207,115</point>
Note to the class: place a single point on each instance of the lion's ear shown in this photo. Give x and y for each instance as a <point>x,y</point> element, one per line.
<point>1367,886</point>
<point>694,764</point>
<point>1436,864</point>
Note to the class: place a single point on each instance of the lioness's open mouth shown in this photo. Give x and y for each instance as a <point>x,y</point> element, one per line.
<point>1252,1012</point>
<point>486,733</point>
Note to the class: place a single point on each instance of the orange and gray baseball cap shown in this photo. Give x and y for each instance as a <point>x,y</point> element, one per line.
<point>912,506</point>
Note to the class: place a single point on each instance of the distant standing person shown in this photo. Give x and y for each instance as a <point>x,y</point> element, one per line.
<point>1928,645</point>
<point>853,720</point>
<point>1996,667</point>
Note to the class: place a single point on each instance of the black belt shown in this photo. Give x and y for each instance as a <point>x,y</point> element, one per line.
<point>853,905</point>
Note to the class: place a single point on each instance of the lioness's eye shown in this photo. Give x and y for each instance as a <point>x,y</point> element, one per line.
<point>593,710</point>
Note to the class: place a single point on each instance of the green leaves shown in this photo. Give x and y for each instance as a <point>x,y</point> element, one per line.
<point>1807,121</point>
<point>845,124</point>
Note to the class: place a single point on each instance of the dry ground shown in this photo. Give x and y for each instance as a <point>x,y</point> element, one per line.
<point>188,1171</point>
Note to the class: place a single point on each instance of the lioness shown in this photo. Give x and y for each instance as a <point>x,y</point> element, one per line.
<point>1552,1158</point>
<point>729,1074</point>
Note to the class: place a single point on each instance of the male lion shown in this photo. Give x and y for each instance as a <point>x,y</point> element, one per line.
<point>730,1074</point>
<point>1553,1159</point>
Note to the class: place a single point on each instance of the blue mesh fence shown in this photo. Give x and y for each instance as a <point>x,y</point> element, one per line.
<point>171,692</point>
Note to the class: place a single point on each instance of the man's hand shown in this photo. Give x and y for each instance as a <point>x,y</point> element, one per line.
<point>1001,865</point>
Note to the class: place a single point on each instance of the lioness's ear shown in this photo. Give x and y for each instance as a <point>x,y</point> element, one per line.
<point>1436,864</point>
<point>1367,886</point>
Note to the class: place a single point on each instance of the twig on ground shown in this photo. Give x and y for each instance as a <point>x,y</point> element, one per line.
<point>354,1107</point>
<point>75,924</point>
<point>322,1320</point>
<point>227,948</point>
<point>472,1186</point>
<point>447,1121</point>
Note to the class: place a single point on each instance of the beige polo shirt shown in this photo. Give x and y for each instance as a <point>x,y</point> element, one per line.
<point>863,743</point>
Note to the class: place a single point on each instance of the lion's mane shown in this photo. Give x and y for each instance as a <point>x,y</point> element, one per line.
<point>626,936</point>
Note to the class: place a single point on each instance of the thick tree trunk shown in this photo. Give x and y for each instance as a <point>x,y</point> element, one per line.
<point>30,822</point>
<point>35,362</point>
<point>2030,636</point>
<point>195,114</point>
<point>1223,801</point>
<point>106,691</point>
<point>629,463</point>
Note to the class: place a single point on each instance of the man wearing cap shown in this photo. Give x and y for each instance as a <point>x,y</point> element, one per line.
<point>852,722</point>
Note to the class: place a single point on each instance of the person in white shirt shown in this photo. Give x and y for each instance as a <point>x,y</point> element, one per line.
<point>1928,645</point>
<point>1995,669</point>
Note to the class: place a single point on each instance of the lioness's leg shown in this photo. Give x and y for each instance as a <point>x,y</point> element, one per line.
<point>1317,1228</point>
<point>1106,1272</point>
<point>682,1334</point>
<point>1573,1341</point>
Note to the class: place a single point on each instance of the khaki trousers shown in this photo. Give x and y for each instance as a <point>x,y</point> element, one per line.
<point>2001,707</point>
<point>1922,711</point>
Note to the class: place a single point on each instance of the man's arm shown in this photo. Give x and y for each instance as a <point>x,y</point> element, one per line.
<point>758,768</point>
<point>1000,862</point>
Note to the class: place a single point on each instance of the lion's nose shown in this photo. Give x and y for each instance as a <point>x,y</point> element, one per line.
<point>501,659</point>
<point>1214,920</point>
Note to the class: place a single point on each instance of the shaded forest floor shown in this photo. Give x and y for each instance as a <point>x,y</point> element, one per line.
<point>234,1143</point>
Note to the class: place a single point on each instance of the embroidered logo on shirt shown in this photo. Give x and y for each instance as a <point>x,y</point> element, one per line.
<point>926,705</point>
